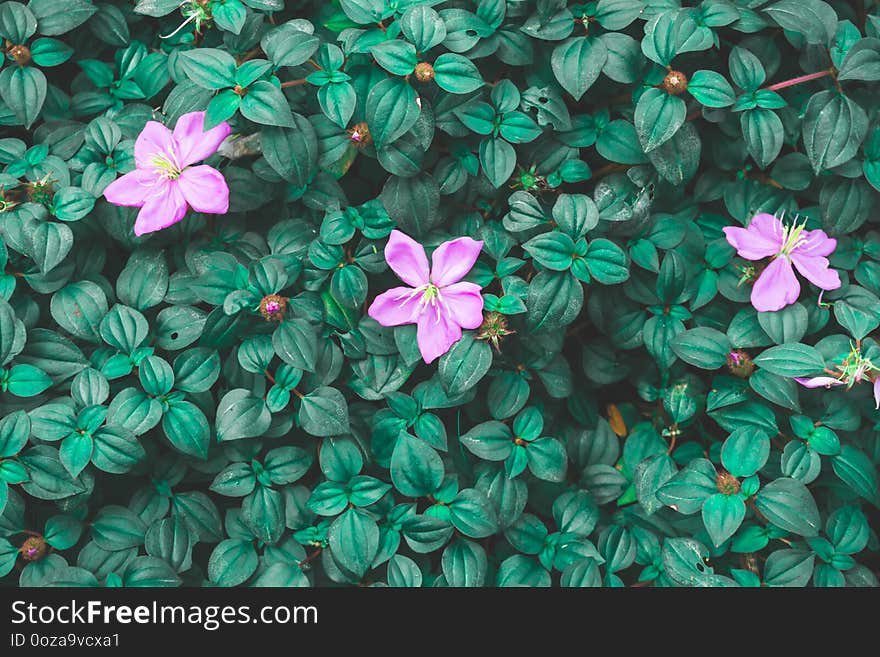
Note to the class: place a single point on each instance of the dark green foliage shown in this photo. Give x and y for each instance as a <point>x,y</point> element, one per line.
<point>623,417</point>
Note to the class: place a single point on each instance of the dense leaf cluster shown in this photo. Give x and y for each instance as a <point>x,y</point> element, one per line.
<point>623,416</point>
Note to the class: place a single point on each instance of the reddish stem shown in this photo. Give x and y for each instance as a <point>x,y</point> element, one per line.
<point>799,80</point>
<point>293,83</point>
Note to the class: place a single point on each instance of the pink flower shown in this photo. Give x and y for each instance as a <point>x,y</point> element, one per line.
<point>828,381</point>
<point>819,381</point>
<point>437,301</point>
<point>767,237</point>
<point>164,183</point>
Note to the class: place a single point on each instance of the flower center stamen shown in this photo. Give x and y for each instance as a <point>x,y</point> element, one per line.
<point>430,296</point>
<point>792,237</point>
<point>164,167</point>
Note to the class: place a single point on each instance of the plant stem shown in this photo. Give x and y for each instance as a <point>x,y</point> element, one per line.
<point>798,80</point>
<point>293,83</point>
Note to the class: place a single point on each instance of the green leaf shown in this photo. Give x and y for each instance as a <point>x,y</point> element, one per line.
<point>791,359</point>
<point>862,61</point>
<point>263,513</point>
<point>498,160</point>
<point>577,64</point>
<point>746,69</point>
<point>56,17</point>
<point>296,344</point>
<point>491,440</point>
<point>52,243</point>
<point>241,415</point>
<point>689,489</point>
<point>833,128</point>
<point>15,427</point>
<point>124,328</point>
<point>456,74</point>
<point>148,571</point>
<point>702,347</point>
<point>711,89</point>
<point>209,68</point>
<point>554,250</point>
<point>354,541</point>
<point>814,19</point>
<point>187,429</point>
<point>118,528</point>
<point>789,505</point>
<point>75,453</point>
<point>650,474</point>
<point>416,469</point>
<point>857,471</point>
<point>789,568</point>
<point>472,514</point>
<point>658,117</point>
<point>745,451</point>
<point>554,300</point>
<point>293,154</point>
<point>547,459</point>
<point>288,46</point>
<point>465,364</point>
<point>324,412</point>
<point>50,52</point>
<point>422,26</point>
<point>464,564</point>
<point>337,100</point>
<point>722,516</point>
<point>232,562</point>
<point>63,531</point>
<point>606,262</point>
<point>26,381</point>
<point>17,22</point>
<point>395,56</point>
<point>391,110</point>
<point>266,104</point>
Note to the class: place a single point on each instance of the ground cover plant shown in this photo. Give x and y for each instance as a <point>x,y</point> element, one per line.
<point>439,293</point>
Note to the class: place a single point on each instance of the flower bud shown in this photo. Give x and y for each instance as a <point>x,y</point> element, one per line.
<point>21,55</point>
<point>727,484</point>
<point>675,83</point>
<point>360,135</point>
<point>273,307</point>
<point>33,549</point>
<point>740,364</point>
<point>424,72</point>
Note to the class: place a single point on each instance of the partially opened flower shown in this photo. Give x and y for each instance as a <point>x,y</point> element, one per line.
<point>165,183</point>
<point>767,237</point>
<point>437,300</point>
<point>854,369</point>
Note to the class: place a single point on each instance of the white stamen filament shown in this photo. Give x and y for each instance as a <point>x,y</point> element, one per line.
<point>181,26</point>
<point>430,295</point>
<point>792,237</point>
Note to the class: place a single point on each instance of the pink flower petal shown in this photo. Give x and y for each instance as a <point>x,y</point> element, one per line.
<point>155,139</point>
<point>815,269</point>
<point>816,243</point>
<point>164,207</point>
<point>205,189</point>
<point>194,144</point>
<point>464,304</point>
<point>749,244</point>
<point>132,189</point>
<point>407,259</point>
<point>436,334</point>
<point>451,261</point>
<point>395,307</point>
<point>818,381</point>
<point>877,393</point>
<point>776,287</point>
<point>767,226</point>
